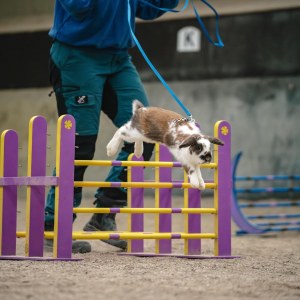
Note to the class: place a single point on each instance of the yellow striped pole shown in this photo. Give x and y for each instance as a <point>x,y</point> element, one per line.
<point>129,197</point>
<point>105,235</point>
<point>109,163</point>
<point>157,198</point>
<point>145,185</point>
<point>150,210</point>
<point>140,235</point>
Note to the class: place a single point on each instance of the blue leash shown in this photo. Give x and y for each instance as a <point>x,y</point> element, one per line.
<point>219,43</point>
<point>154,69</point>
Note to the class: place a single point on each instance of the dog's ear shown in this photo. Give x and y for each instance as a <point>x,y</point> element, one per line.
<point>214,140</point>
<point>191,140</point>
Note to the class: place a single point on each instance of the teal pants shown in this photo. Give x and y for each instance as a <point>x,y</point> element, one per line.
<point>87,81</point>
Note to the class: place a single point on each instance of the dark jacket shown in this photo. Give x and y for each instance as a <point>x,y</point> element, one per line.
<point>101,23</point>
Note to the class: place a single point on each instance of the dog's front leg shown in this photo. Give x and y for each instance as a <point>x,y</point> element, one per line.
<point>200,178</point>
<point>113,145</point>
<point>195,177</point>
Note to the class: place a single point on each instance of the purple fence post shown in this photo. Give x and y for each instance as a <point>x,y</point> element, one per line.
<point>65,155</point>
<point>223,180</point>
<point>165,201</point>
<point>194,221</point>
<point>8,194</point>
<point>37,144</point>
<point>137,201</point>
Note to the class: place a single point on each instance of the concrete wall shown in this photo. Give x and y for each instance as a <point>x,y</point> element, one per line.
<point>256,45</point>
<point>264,113</point>
<point>254,83</point>
<point>15,8</point>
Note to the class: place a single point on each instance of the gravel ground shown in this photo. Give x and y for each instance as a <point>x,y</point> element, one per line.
<point>268,268</point>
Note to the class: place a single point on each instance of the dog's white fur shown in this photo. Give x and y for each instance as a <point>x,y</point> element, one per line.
<point>182,137</point>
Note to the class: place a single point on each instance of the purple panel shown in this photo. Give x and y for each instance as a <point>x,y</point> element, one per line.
<point>116,163</point>
<point>175,236</point>
<point>38,258</point>
<point>9,218</point>
<point>66,186</point>
<point>115,210</point>
<point>194,222</point>
<point>177,185</point>
<point>176,164</point>
<point>114,236</point>
<point>137,200</point>
<point>176,255</point>
<point>224,189</point>
<point>21,181</point>
<point>35,238</point>
<point>165,200</point>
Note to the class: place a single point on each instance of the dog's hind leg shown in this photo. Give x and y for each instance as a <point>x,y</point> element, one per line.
<point>138,149</point>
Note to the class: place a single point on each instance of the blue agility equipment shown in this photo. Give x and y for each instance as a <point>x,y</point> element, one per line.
<point>249,224</point>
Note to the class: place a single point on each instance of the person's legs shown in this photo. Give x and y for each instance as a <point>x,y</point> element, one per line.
<point>123,87</point>
<point>79,93</point>
<point>120,90</point>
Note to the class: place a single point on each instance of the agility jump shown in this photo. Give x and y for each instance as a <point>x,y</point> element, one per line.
<point>36,181</point>
<point>263,223</point>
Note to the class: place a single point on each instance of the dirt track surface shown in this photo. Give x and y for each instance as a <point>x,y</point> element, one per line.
<point>268,268</point>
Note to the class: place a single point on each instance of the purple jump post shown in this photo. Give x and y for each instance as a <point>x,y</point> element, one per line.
<point>222,196</point>
<point>37,145</point>
<point>65,154</point>
<point>136,201</point>
<point>194,222</point>
<point>8,193</point>
<point>164,200</point>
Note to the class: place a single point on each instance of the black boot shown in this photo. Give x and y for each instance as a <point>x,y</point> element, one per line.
<point>77,246</point>
<point>106,222</point>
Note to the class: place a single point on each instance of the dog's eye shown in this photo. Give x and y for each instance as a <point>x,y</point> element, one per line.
<point>198,147</point>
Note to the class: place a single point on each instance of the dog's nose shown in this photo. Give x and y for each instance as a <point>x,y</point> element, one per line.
<point>206,157</point>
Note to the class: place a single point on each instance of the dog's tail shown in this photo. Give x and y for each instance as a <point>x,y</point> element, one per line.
<point>136,104</point>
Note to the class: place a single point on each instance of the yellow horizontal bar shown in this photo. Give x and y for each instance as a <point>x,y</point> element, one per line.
<point>21,234</point>
<point>47,234</point>
<point>99,163</point>
<point>101,235</point>
<point>139,235</point>
<point>125,163</point>
<point>208,166</point>
<point>145,210</point>
<point>137,184</point>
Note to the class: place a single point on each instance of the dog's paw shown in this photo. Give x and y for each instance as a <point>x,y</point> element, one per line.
<point>110,152</point>
<point>201,185</point>
<point>196,183</point>
<point>110,149</point>
<point>198,186</point>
